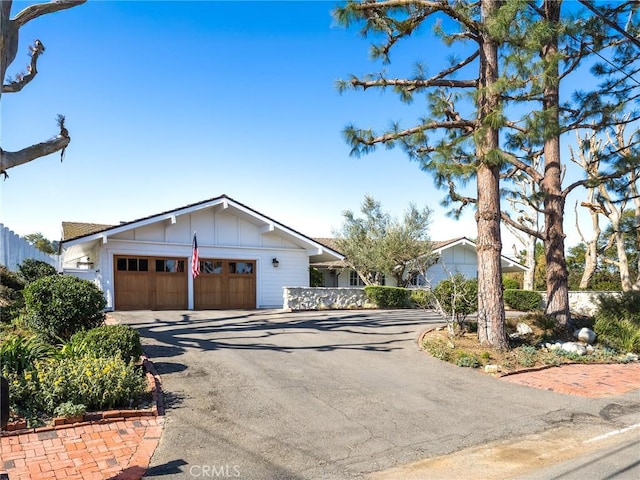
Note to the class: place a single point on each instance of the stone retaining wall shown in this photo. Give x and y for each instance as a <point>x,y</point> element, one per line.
<point>340,298</point>
<point>325,298</point>
<point>582,302</point>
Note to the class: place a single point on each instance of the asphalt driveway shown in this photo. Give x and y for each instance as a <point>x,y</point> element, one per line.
<point>334,394</point>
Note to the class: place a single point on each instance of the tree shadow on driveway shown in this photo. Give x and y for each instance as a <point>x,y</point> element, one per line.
<point>171,333</point>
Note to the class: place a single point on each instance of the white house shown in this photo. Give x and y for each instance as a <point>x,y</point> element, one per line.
<point>457,255</point>
<point>246,258</point>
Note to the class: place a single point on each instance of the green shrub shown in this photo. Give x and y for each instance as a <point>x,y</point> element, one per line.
<point>509,283</point>
<point>388,297</point>
<point>623,306</point>
<point>466,359</point>
<point>457,296</point>
<point>61,305</point>
<point>32,270</point>
<point>420,298</point>
<point>620,334</point>
<point>11,301</point>
<point>618,321</point>
<point>523,300</point>
<point>97,383</point>
<point>69,409</point>
<point>19,354</point>
<point>10,279</point>
<point>109,340</point>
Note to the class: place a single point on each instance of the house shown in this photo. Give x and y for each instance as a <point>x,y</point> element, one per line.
<point>246,258</point>
<point>457,255</point>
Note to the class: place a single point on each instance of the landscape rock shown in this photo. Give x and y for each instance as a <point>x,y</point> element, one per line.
<point>585,335</point>
<point>573,347</point>
<point>523,329</point>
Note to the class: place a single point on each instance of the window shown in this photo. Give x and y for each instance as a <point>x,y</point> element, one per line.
<point>211,266</point>
<point>355,280</point>
<point>132,264</point>
<point>169,265</point>
<point>241,268</point>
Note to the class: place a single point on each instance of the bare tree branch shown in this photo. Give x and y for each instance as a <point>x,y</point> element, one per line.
<point>35,11</point>
<point>36,50</point>
<point>13,159</point>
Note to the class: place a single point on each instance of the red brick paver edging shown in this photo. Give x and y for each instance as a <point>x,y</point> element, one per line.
<point>586,380</point>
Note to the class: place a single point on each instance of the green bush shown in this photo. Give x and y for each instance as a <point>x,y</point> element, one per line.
<point>11,301</point>
<point>388,297</point>
<point>109,340</point>
<point>457,296</point>
<point>32,270</point>
<point>97,383</point>
<point>523,300</point>
<point>61,305</point>
<point>509,283</point>
<point>618,321</point>
<point>626,306</point>
<point>420,298</point>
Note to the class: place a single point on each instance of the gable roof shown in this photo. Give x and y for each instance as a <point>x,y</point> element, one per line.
<point>72,230</point>
<point>75,233</point>
<point>438,246</point>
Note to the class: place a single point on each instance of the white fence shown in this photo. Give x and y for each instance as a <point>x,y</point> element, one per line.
<point>14,250</point>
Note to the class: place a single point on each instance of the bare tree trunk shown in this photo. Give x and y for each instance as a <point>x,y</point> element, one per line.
<point>636,201</point>
<point>529,278</point>
<point>554,200</point>
<point>491,317</point>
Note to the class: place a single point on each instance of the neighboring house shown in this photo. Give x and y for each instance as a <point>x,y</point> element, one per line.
<point>453,256</point>
<point>246,258</point>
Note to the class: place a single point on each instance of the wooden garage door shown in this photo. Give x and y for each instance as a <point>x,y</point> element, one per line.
<point>225,284</point>
<point>150,283</point>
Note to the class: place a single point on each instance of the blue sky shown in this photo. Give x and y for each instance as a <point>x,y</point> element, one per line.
<point>170,103</point>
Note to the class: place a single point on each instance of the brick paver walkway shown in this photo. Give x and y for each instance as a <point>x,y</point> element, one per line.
<point>119,449</point>
<point>593,381</point>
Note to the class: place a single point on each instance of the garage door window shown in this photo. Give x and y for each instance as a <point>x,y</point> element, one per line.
<point>241,268</point>
<point>213,267</point>
<point>133,264</point>
<point>169,265</point>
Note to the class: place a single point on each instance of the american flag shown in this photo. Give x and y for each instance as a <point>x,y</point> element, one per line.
<point>195,259</point>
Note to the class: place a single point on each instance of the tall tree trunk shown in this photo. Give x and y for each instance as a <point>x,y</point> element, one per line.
<point>491,317</point>
<point>529,281</point>
<point>623,260</point>
<point>554,201</point>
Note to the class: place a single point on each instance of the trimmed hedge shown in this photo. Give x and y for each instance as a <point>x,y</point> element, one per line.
<point>388,297</point>
<point>60,305</point>
<point>523,300</point>
<point>110,340</point>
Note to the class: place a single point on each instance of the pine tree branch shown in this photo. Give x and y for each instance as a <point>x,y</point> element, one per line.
<point>34,11</point>
<point>22,80</point>
<point>413,84</point>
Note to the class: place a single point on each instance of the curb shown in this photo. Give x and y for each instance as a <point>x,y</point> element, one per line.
<point>109,416</point>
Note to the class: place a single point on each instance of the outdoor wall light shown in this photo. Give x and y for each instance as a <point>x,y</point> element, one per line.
<point>275,262</point>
